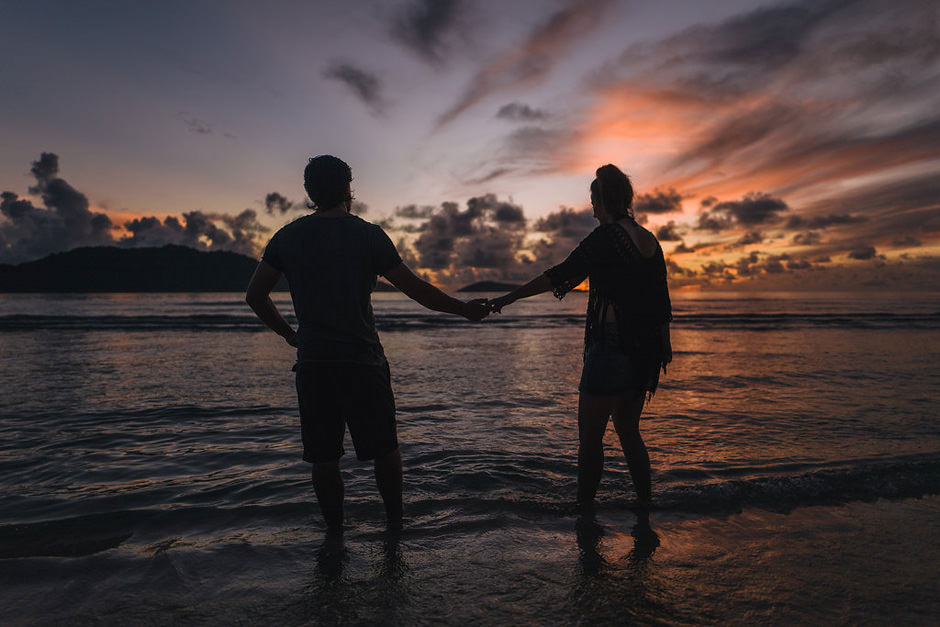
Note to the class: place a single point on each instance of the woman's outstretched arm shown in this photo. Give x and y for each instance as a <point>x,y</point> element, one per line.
<point>539,284</point>
<point>422,292</point>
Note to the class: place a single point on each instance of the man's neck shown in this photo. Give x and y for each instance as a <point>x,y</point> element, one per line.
<point>338,211</point>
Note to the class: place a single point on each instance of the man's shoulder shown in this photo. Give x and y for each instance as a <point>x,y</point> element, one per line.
<point>293,225</point>
<point>349,225</point>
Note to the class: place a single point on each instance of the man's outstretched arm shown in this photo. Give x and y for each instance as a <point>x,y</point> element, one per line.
<point>422,292</point>
<point>258,297</point>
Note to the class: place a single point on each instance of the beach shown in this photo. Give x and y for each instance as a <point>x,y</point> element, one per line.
<point>151,469</point>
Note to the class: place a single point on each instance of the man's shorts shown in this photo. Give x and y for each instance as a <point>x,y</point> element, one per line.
<point>336,394</point>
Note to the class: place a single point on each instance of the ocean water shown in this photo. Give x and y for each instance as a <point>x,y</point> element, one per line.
<point>150,468</point>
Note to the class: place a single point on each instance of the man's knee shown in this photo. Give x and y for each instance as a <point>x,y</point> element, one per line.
<point>325,469</point>
<point>392,460</point>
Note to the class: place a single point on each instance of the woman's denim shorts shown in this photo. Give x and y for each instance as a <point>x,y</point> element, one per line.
<point>607,369</point>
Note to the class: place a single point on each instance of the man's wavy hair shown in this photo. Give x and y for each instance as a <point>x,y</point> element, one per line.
<point>326,180</point>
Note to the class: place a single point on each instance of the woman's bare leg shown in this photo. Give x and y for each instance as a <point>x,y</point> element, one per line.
<point>593,414</point>
<point>627,422</point>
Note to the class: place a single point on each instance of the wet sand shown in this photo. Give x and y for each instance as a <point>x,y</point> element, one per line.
<point>859,563</point>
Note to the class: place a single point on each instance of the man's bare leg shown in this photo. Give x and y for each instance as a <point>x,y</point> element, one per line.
<point>328,484</point>
<point>388,478</point>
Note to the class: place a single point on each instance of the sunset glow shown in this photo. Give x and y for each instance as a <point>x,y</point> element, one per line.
<point>791,145</point>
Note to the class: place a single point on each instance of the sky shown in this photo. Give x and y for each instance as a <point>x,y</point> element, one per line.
<point>772,145</point>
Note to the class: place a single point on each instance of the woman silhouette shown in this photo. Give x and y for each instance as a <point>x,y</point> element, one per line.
<point>626,338</point>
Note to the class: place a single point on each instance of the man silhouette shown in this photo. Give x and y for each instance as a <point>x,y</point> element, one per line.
<point>331,259</point>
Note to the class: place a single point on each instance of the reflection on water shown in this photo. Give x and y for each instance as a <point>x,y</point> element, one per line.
<point>376,596</point>
<point>129,426</point>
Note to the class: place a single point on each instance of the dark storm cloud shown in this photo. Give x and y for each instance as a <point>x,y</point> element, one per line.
<point>196,229</point>
<point>753,209</point>
<point>747,52</point>
<point>363,84</point>
<point>807,238</point>
<point>532,60</point>
<point>29,232</point>
<point>822,221</point>
<point>563,229</point>
<point>490,176</point>
<point>800,94</point>
<point>885,212</point>
<point>751,237</point>
<point>358,207</point>
<point>195,125</point>
<point>907,240</point>
<point>757,264</point>
<point>518,112</point>
<point>677,271</point>
<point>658,201</point>
<point>568,223</point>
<point>423,26</point>
<point>487,234</point>
<point>276,203</point>
<point>863,253</point>
<point>668,232</point>
<point>504,214</point>
<point>799,264</point>
<point>414,212</point>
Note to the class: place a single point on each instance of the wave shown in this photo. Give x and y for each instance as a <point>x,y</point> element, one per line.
<point>450,513</point>
<point>169,413</point>
<point>427,321</point>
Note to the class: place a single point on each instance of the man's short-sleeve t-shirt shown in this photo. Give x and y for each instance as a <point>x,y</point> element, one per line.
<point>331,265</point>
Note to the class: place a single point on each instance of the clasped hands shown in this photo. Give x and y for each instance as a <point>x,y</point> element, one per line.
<point>479,308</point>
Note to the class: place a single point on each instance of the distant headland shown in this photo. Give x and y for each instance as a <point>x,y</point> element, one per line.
<point>170,268</point>
<point>488,286</point>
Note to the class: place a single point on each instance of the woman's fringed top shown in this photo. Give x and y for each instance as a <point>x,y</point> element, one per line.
<point>636,288</point>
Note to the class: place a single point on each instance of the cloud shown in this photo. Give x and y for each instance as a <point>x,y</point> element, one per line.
<point>29,232</point>
<point>863,253</point>
<point>755,208</point>
<point>195,125</point>
<point>414,212</point>
<point>276,203</point>
<point>486,235</point>
<point>204,231</point>
<point>563,230</point>
<point>822,221</point>
<point>358,207</point>
<point>492,175</point>
<point>807,238</point>
<point>504,214</point>
<point>568,223</point>
<point>365,85</point>
<point>751,237</point>
<point>803,100</point>
<point>668,232</point>
<point>907,240</point>
<point>533,60</point>
<point>658,201</point>
<point>423,27</point>
<point>518,112</point>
